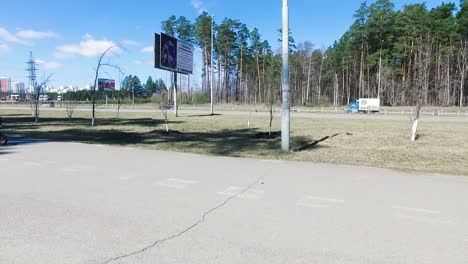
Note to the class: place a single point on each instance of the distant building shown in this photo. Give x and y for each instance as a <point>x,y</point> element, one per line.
<point>5,84</point>
<point>18,87</point>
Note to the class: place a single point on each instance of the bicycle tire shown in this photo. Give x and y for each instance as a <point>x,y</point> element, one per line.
<point>3,140</point>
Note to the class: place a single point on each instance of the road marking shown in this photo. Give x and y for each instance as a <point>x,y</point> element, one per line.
<point>174,183</point>
<point>324,199</point>
<point>70,170</point>
<point>322,206</point>
<point>424,220</point>
<point>272,161</point>
<point>416,210</point>
<point>421,215</point>
<point>319,202</point>
<point>127,177</point>
<point>252,194</point>
<point>30,163</point>
<point>2,159</point>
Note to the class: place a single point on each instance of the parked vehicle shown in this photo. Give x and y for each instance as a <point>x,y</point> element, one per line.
<point>44,97</point>
<point>3,138</point>
<point>367,105</point>
<point>49,104</point>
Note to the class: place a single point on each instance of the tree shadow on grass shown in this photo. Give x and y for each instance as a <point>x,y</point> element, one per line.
<point>205,115</point>
<point>26,122</point>
<point>235,143</point>
<point>226,142</point>
<point>307,145</point>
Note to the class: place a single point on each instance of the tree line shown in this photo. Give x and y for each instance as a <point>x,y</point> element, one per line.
<point>401,56</point>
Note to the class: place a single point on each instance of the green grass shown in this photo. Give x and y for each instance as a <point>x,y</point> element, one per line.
<point>441,148</point>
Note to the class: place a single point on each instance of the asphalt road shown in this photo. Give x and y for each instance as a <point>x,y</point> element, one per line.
<point>77,203</point>
<point>452,117</point>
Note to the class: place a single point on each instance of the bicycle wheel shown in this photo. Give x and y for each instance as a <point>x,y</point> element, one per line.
<point>3,140</point>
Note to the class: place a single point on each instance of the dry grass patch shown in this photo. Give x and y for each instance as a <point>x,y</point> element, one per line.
<point>442,147</point>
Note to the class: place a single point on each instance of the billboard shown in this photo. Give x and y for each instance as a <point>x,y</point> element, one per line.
<point>172,54</point>
<point>168,53</point>
<point>106,85</point>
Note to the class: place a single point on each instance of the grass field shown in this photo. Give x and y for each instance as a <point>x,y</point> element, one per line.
<point>441,148</point>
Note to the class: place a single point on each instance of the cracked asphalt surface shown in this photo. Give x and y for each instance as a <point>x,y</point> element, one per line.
<point>78,203</point>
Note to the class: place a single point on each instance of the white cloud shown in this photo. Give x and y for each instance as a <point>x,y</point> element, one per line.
<point>129,42</point>
<point>4,47</point>
<point>88,47</point>
<point>6,36</point>
<point>145,62</point>
<point>49,65</point>
<point>24,37</point>
<point>32,34</point>
<point>149,49</point>
<point>199,6</point>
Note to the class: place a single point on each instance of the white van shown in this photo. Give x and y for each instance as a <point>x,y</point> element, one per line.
<point>369,105</point>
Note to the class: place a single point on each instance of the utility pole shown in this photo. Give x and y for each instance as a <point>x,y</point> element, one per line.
<point>285,111</point>
<point>33,87</point>
<point>32,72</point>
<point>211,71</point>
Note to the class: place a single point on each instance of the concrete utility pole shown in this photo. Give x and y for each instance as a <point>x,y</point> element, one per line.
<point>211,71</point>
<point>285,111</point>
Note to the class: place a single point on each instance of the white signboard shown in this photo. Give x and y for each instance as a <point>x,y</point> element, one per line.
<point>184,58</point>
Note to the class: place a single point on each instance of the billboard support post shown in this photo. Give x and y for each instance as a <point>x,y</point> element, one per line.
<point>175,95</point>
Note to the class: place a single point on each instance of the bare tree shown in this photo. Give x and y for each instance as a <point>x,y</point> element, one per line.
<point>99,65</point>
<point>70,107</point>
<point>119,103</point>
<point>160,103</point>
<point>36,98</point>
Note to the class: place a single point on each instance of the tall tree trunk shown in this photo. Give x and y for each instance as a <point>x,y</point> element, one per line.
<point>320,80</point>
<point>259,79</point>
<point>219,90</point>
<point>380,73</point>
<point>448,80</point>
<point>335,94</point>
<point>361,70</point>
<point>205,70</point>
<point>308,80</point>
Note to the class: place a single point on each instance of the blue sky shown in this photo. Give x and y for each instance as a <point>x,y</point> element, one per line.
<point>66,36</point>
